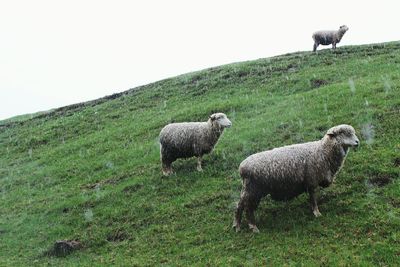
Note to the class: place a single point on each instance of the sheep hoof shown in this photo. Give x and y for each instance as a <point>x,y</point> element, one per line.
<point>167,172</point>
<point>236,226</point>
<point>254,228</point>
<point>317,213</point>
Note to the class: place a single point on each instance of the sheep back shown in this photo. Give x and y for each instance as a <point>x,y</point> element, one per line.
<point>325,37</point>
<point>283,172</point>
<point>184,140</point>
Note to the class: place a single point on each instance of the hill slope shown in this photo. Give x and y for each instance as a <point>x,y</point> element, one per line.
<point>91,171</point>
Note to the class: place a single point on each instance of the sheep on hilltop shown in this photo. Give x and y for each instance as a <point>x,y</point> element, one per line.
<point>329,37</point>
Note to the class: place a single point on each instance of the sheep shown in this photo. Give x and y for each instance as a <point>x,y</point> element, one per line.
<point>329,37</point>
<point>289,171</point>
<point>188,139</point>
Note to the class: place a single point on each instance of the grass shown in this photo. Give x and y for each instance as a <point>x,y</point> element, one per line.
<point>91,171</point>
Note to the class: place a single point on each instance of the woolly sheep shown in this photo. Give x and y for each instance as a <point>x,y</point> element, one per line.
<point>288,171</point>
<point>188,139</point>
<point>329,37</point>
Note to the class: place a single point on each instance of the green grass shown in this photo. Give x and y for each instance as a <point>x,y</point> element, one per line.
<point>91,172</point>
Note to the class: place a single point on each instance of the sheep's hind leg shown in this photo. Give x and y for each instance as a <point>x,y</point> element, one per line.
<point>313,202</point>
<point>167,169</point>
<point>239,210</point>
<point>166,161</point>
<point>166,166</point>
<point>199,160</point>
<point>251,207</point>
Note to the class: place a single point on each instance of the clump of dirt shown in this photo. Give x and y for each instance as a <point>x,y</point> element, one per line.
<point>315,83</point>
<point>395,202</point>
<point>62,248</point>
<point>380,180</point>
<point>132,188</point>
<point>396,162</point>
<point>117,236</point>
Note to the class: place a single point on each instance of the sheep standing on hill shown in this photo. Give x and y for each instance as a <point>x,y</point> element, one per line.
<point>188,139</point>
<point>288,171</point>
<point>329,37</point>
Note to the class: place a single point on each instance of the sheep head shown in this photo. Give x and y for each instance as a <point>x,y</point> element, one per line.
<point>343,28</point>
<point>221,120</point>
<point>345,135</point>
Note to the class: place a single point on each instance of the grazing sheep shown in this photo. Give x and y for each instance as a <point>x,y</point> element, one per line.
<point>288,171</point>
<point>188,139</point>
<point>329,37</point>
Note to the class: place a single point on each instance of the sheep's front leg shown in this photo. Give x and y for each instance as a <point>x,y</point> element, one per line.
<point>333,45</point>
<point>315,47</point>
<point>313,202</point>
<point>199,168</point>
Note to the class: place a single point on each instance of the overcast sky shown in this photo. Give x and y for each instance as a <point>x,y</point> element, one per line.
<point>54,53</point>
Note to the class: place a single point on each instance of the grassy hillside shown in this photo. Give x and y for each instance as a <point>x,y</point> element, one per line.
<point>91,171</point>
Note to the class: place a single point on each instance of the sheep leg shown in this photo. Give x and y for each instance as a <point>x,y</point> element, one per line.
<point>166,169</point>
<point>252,221</point>
<point>251,207</point>
<point>315,47</point>
<point>238,215</point>
<point>166,165</point>
<point>166,161</point>
<point>313,202</point>
<point>239,210</point>
<point>333,45</point>
<point>199,160</point>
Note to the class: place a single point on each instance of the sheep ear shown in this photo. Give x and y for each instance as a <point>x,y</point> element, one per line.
<point>212,117</point>
<point>331,132</point>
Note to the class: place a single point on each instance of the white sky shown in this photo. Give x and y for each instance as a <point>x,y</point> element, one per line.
<point>54,53</point>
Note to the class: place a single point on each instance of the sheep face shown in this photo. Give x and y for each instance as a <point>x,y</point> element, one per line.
<point>221,120</point>
<point>344,28</point>
<point>345,135</point>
